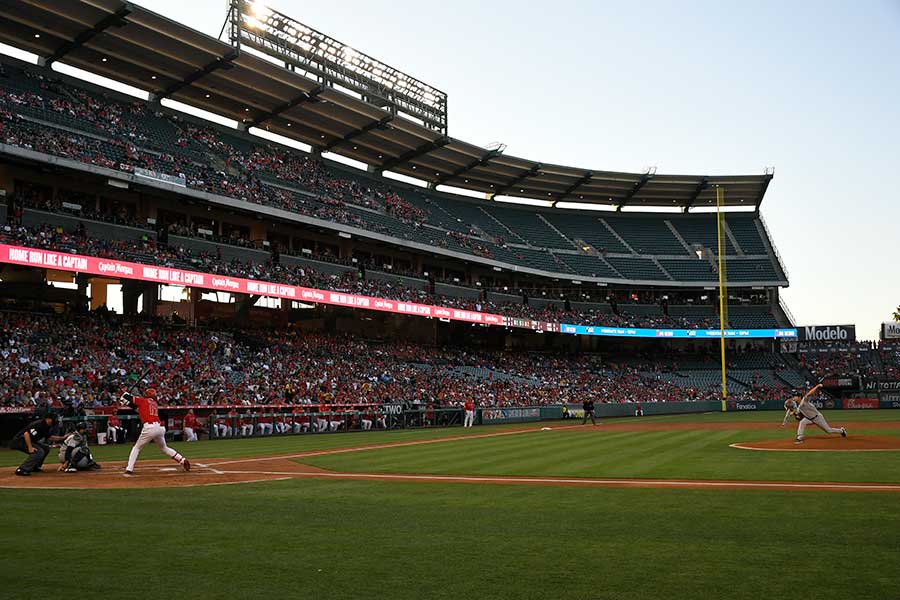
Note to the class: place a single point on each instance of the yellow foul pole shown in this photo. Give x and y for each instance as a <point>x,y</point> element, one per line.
<point>720,196</point>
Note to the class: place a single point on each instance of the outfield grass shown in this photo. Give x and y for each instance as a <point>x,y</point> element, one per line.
<point>677,454</point>
<point>352,539</point>
<point>376,539</point>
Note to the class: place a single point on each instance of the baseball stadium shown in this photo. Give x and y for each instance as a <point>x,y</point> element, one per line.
<point>267,328</point>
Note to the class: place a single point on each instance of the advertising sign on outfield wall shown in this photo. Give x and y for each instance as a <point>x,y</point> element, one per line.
<point>493,415</point>
<point>890,401</point>
<point>825,404</point>
<point>864,403</point>
<point>890,330</point>
<point>827,333</point>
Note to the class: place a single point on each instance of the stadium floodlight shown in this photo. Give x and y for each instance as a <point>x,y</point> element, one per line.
<point>331,63</point>
<point>260,11</point>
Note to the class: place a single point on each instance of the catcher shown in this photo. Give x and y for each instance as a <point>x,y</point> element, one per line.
<point>74,454</point>
<point>806,413</point>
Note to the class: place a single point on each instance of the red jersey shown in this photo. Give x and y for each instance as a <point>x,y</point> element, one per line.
<point>114,421</point>
<point>190,421</point>
<point>147,409</point>
<point>469,405</point>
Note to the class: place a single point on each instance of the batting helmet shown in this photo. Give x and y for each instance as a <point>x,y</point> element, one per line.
<point>80,426</point>
<point>150,393</point>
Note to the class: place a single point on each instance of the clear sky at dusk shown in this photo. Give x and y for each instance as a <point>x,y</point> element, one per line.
<point>810,88</point>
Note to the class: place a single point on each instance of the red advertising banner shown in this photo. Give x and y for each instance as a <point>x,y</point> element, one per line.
<point>49,259</point>
<point>864,403</point>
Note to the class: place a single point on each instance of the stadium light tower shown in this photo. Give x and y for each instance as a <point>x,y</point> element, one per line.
<point>333,64</point>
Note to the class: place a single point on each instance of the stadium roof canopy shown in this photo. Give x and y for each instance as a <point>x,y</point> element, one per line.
<point>125,42</point>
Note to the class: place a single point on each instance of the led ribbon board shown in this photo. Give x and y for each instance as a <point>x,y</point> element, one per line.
<point>76,263</point>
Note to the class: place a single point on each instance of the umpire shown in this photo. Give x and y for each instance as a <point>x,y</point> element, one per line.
<point>32,440</point>
<point>588,406</point>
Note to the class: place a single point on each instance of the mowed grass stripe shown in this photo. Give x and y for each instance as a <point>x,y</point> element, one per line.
<point>531,454</point>
<point>681,454</point>
<point>401,541</point>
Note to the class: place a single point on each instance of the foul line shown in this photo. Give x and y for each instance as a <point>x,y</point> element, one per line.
<point>216,471</point>
<point>742,447</point>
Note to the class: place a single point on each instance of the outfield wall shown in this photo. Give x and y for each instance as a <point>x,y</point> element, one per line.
<point>11,419</point>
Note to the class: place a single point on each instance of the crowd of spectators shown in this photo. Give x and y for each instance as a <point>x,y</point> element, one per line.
<point>87,361</point>
<point>209,161</point>
<point>846,359</point>
<point>889,355</point>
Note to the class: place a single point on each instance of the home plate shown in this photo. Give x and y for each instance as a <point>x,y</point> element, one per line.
<point>165,469</point>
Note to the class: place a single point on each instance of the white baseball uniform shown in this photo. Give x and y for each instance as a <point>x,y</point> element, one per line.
<point>156,433</point>
<point>152,431</point>
<point>221,430</point>
<point>810,415</point>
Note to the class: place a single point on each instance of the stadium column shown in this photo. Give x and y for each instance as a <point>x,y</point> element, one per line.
<point>131,292</point>
<point>82,280</point>
<point>242,305</point>
<point>194,295</point>
<point>151,299</point>
<point>138,293</point>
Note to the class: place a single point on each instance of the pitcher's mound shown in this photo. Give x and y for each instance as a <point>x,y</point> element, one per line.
<point>821,443</point>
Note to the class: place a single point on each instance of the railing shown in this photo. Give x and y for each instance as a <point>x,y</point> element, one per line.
<point>787,311</point>
<point>772,245</point>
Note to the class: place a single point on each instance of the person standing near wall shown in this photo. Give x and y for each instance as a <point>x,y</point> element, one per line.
<point>588,406</point>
